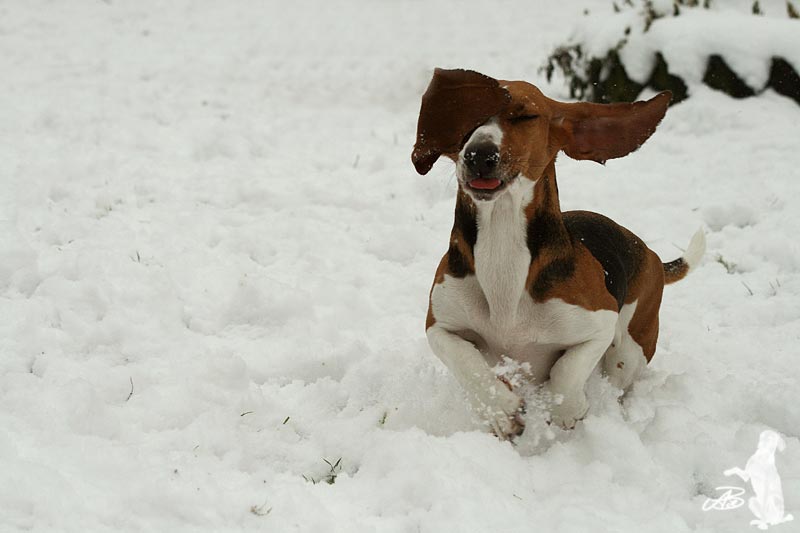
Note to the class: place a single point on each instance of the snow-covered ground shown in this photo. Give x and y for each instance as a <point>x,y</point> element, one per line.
<point>215,258</point>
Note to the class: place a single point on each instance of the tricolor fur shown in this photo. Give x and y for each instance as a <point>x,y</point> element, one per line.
<point>521,279</point>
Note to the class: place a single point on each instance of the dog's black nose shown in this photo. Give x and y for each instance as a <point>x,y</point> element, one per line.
<point>481,159</point>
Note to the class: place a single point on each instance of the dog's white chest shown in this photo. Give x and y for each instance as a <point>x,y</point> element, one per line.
<point>502,257</point>
<point>530,332</point>
<point>494,310</point>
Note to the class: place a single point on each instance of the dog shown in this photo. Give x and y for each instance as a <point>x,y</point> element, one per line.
<point>760,471</point>
<point>521,280</point>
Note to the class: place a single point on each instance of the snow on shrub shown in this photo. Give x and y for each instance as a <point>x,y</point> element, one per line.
<point>740,47</point>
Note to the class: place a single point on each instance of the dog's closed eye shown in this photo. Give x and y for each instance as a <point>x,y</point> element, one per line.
<point>523,118</point>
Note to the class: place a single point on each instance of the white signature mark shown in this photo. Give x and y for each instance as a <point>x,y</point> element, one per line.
<point>730,499</point>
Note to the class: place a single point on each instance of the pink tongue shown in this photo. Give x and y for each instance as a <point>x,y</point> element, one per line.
<point>482,183</point>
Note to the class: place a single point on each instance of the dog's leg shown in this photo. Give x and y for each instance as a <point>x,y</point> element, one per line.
<point>736,471</point>
<point>637,327</point>
<point>625,359</point>
<point>487,394</point>
<point>568,379</point>
<point>623,363</point>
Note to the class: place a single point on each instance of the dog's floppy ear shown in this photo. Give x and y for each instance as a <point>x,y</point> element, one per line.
<point>605,131</point>
<point>456,102</point>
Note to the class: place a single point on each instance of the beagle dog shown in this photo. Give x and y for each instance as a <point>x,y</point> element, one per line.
<point>555,292</point>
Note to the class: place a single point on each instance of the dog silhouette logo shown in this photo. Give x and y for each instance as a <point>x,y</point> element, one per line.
<point>760,471</point>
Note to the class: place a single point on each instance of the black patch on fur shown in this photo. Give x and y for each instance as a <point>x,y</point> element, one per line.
<point>457,265</point>
<point>465,227</point>
<point>554,272</point>
<point>675,270</point>
<point>544,229</point>
<point>466,223</point>
<point>618,251</point>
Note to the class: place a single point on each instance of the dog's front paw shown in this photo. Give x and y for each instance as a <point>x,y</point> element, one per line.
<point>508,426</point>
<point>566,409</point>
<point>502,410</point>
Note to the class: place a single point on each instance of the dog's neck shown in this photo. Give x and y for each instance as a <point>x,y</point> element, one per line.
<point>511,234</point>
<point>547,235</point>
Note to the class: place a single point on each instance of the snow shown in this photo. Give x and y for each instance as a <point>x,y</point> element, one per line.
<point>215,258</point>
<point>687,41</point>
<point>728,28</point>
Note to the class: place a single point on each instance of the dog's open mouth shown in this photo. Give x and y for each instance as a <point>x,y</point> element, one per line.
<point>486,188</point>
<point>485,184</point>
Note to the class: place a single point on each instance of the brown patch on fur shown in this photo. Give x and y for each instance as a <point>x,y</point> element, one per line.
<point>459,261</point>
<point>585,286</point>
<point>461,248</point>
<point>545,194</point>
<point>463,236</point>
<point>430,320</point>
<point>560,268</point>
<point>675,270</point>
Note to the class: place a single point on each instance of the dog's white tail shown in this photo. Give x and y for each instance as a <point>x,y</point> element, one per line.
<point>676,270</point>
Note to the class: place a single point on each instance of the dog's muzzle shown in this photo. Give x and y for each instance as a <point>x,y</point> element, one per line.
<point>481,161</point>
